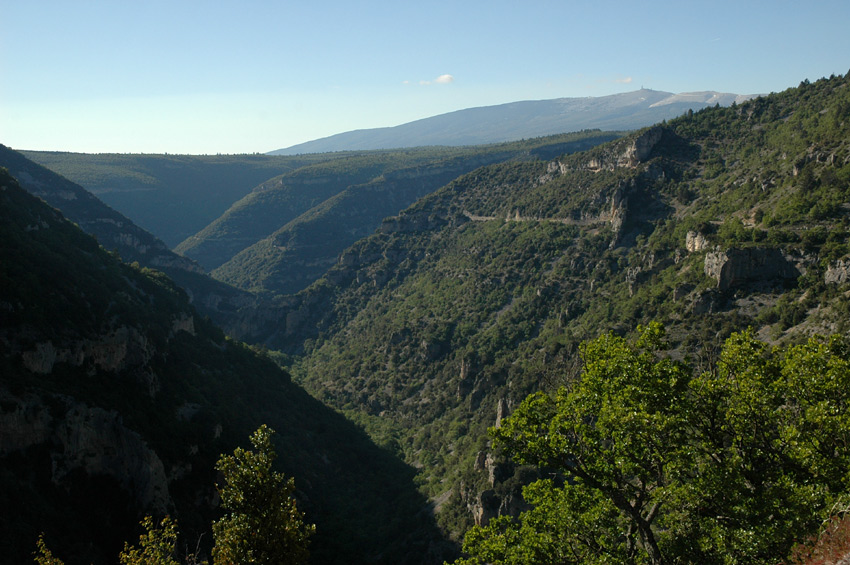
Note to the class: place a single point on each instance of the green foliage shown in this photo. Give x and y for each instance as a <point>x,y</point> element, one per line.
<point>156,545</point>
<point>188,392</point>
<point>262,524</point>
<point>663,466</point>
<point>43,555</point>
<point>482,295</point>
<point>479,294</point>
<point>567,526</point>
<point>172,196</point>
<point>301,222</point>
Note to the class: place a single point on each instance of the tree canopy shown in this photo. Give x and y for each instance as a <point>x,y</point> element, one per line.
<point>650,462</point>
<point>262,524</point>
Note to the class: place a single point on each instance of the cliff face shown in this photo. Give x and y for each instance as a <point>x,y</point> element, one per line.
<point>78,436</point>
<point>838,272</point>
<point>88,439</point>
<point>120,349</point>
<point>635,151</point>
<point>735,267</point>
<point>82,337</point>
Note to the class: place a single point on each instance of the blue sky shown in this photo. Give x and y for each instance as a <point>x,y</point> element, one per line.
<point>254,76</point>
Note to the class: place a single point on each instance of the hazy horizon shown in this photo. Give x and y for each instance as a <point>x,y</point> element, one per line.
<point>227,77</point>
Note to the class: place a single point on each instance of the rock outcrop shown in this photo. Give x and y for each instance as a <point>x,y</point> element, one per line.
<point>695,241</point>
<point>838,272</point>
<point>641,148</point>
<point>86,438</point>
<point>737,267</point>
<point>97,442</point>
<point>634,153</point>
<point>120,349</point>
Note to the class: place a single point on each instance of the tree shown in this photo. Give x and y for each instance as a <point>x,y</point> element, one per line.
<point>156,545</point>
<point>262,524</point>
<point>652,464</point>
<point>43,555</point>
<point>770,435</point>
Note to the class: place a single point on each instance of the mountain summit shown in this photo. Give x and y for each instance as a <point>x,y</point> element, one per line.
<point>519,120</point>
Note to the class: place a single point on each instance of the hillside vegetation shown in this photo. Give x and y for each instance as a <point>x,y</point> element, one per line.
<point>311,231</point>
<point>504,296</point>
<point>171,196</point>
<point>280,199</point>
<point>116,399</point>
<point>117,233</point>
<point>436,327</point>
<point>112,229</point>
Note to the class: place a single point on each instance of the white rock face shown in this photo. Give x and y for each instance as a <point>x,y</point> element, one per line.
<point>695,242</point>
<point>735,267</point>
<point>96,441</point>
<point>24,421</point>
<point>838,272</point>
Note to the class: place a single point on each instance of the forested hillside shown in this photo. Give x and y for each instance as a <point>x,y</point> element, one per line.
<point>439,325</point>
<point>117,233</point>
<point>283,198</point>
<point>429,325</point>
<point>171,196</point>
<point>112,229</point>
<point>116,400</point>
<point>311,216</point>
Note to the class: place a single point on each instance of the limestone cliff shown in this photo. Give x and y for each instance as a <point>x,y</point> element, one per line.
<point>735,267</point>
<point>838,272</point>
<point>84,438</point>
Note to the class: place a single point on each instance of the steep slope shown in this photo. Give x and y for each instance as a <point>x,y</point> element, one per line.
<point>172,196</point>
<point>116,400</point>
<point>309,191</point>
<point>116,232</point>
<point>303,249</point>
<point>274,203</point>
<point>520,120</point>
<point>433,328</point>
<point>112,229</point>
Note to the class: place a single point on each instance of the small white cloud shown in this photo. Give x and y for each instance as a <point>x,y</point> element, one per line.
<point>442,79</point>
<point>626,80</point>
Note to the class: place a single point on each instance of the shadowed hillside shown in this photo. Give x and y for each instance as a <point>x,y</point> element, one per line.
<point>116,399</point>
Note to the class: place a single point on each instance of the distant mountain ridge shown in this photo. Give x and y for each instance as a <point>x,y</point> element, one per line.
<point>520,120</point>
